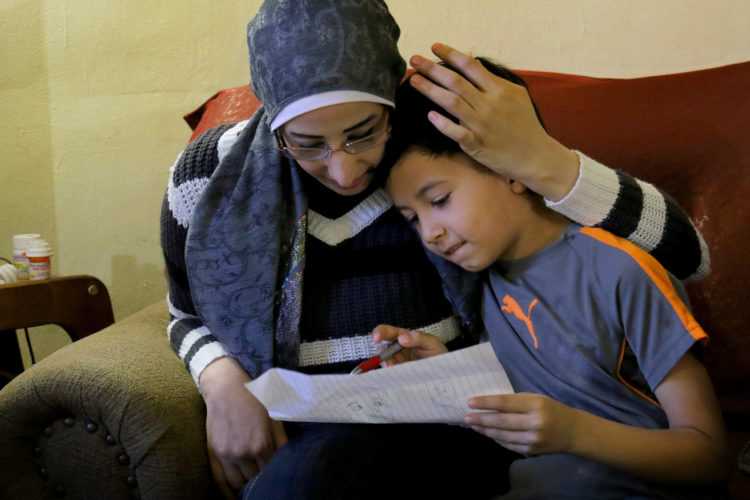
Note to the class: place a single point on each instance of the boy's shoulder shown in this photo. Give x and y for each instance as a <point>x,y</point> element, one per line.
<point>618,259</point>
<point>618,250</point>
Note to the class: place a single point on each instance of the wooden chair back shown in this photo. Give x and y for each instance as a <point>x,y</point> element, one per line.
<point>80,305</point>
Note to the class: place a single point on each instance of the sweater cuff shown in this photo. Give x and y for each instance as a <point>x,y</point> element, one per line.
<point>208,354</point>
<point>593,195</point>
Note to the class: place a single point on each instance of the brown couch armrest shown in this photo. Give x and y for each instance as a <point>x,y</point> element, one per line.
<point>114,415</point>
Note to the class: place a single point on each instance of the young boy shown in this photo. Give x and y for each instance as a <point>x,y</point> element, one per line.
<point>594,334</point>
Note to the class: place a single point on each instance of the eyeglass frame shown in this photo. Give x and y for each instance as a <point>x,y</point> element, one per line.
<point>327,151</point>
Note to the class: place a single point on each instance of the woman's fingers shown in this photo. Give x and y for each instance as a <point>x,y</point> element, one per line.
<point>462,135</point>
<point>468,79</point>
<point>226,478</point>
<point>244,472</point>
<point>279,434</point>
<point>445,97</point>
<point>467,65</point>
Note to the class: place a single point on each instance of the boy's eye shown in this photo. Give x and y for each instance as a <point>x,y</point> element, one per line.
<point>410,217</point>
<point>442,200</point>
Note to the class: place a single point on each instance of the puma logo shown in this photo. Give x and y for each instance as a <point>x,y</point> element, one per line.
<point>511,306</point>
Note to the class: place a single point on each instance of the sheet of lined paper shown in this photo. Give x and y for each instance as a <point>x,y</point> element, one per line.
<point>429,390</point>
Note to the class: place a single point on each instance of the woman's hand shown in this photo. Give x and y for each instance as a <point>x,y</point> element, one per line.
<point>498,125</point>
<point>525,423</point>
<point>417,344</point>
<point>241,436</point>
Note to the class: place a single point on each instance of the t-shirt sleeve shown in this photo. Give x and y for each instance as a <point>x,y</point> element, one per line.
<point>657,322</point>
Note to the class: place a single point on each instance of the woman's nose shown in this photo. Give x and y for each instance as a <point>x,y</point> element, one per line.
<point>343,168</point>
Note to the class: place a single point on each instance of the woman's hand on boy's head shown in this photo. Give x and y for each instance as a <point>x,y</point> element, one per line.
<point>498,126</point>
<point>418,345</point>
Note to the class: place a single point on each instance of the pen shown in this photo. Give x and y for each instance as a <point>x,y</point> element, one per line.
<point>375,361</point>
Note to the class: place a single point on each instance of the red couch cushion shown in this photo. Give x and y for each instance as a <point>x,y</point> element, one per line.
<point>687,133</point>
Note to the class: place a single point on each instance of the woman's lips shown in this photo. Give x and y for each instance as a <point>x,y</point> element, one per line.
<point>354,184</point>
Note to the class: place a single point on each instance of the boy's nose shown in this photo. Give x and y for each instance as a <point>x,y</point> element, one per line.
<point>432,231</point>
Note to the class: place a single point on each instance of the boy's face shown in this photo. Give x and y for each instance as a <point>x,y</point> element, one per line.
<point>462,214</point>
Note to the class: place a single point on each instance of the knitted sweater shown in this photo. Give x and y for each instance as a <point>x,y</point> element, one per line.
<point>364,265</point>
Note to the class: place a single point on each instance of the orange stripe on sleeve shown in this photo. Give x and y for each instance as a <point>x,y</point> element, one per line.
<point>622,379</point>
<point>657,274</point>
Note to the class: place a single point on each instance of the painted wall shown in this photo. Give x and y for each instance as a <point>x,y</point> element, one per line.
<point>92,95</point>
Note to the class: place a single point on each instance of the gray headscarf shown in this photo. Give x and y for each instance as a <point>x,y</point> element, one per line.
<point>303,48</point>
<point>245,250</point>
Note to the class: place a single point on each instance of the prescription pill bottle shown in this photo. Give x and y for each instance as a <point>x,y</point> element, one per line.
<point>39,254</point>
<point>20,244</point>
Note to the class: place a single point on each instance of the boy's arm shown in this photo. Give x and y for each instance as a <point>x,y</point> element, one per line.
<point>692,450</point>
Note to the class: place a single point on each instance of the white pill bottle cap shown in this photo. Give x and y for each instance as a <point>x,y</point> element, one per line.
<point>22,241</point>
<point>38,248</point>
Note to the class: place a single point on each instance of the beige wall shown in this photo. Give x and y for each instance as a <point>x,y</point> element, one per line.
<point>92,95</point>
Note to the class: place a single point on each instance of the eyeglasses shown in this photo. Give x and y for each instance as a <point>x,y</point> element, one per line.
<point>352,147</point>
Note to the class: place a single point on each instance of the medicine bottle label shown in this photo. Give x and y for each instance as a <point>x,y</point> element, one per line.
<point>39,268</point>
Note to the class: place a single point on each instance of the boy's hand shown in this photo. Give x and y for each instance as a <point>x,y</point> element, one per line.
<point>525,423</point>
<point>417,344</point>
<point>498,126</point>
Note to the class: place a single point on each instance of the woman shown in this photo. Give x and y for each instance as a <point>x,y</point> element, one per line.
<point>254,208</point>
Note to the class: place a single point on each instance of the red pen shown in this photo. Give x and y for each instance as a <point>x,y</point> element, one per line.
<point>380,357</point>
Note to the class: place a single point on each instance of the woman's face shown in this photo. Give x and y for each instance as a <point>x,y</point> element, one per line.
<point>331,127</point>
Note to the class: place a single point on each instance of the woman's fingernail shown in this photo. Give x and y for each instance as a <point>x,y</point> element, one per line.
<point>467,419</point>
<point>416,60</point>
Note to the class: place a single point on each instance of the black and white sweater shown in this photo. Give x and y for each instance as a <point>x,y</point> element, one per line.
<point>365,266</point>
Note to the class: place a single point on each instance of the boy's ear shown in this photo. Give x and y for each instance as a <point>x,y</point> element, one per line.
<point>517,187</point>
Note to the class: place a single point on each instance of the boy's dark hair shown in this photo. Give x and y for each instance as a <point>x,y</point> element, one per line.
<point>411,130</point>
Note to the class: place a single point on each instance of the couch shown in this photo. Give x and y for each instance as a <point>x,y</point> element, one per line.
<point>116,415</point>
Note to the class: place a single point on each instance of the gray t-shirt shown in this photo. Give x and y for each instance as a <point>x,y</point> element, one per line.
<point>595,323</point>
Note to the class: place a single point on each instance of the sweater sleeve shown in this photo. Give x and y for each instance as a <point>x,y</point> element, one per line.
<point>190,339</point>
<point>636,210</point>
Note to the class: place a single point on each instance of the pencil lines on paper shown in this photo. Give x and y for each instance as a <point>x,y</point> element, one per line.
<point>428,390</point>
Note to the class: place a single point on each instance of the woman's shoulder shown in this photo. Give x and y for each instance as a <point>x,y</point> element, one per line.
<point>202,155</point>
<point>194,166</point>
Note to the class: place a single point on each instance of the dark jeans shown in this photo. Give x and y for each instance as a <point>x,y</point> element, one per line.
<point>363,461</point>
